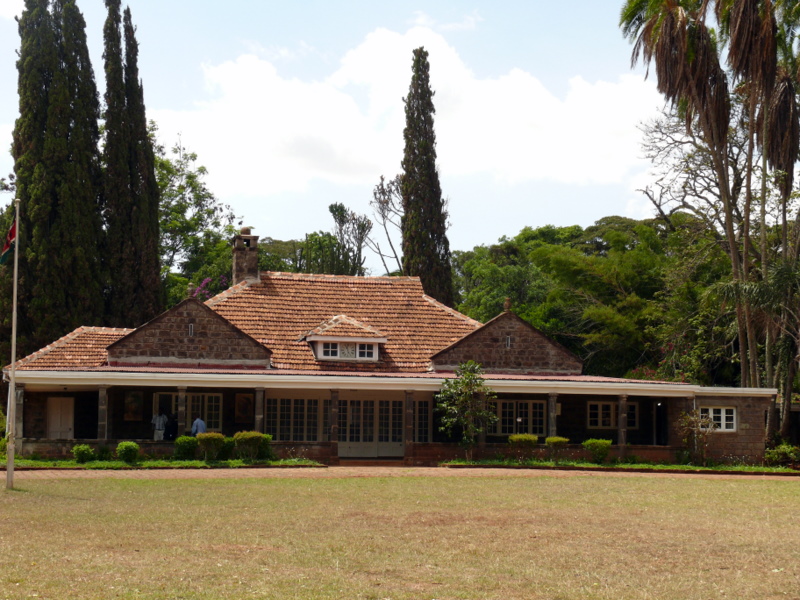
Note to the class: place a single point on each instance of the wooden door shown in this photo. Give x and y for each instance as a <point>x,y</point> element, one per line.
<point>60,418</point>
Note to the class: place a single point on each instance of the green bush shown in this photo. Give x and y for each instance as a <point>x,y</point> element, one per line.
<point>556,446</point>
<point>210,444</point>
<point>228,450</point>
<point>782,455</point>
<point>523,444</point>
<point>128,452</point>
<point>83,453</point>
<point>248,443</point>
<point>598,449</point>
<point>265,451</point>
<point>104,452</point>
<point>3,447</point>
<point>185,448</point>
<point>2,421</point>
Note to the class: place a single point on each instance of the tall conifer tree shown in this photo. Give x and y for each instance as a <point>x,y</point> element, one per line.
<point>57,168</point>
<point>131,193</point>
<point>426,250</point>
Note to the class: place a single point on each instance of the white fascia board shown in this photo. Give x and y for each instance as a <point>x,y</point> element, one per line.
<point>48,380</point>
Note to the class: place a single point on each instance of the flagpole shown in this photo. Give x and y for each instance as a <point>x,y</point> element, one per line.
<point>12,386</point>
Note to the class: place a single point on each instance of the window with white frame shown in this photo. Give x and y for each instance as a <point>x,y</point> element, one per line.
<point>296,419</point>
<point>347,351</point>
<point>521,416</point>
<point>604,415</point>
<point>723,417</point>
<point>209,407</point>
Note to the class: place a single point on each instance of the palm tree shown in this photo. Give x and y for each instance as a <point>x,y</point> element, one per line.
<point>672,34</point>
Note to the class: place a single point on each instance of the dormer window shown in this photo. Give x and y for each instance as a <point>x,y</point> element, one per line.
<point>346,351</point>
<point>344,339</point>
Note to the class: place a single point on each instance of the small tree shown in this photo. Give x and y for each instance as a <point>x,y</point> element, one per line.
<point>695,429</point>
<point>464,405</point>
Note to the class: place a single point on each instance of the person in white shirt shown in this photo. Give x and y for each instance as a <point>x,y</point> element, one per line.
<point>199,426</point>
<point>159,424</point>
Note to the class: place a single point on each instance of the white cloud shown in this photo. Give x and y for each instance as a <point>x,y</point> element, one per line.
<point>11,8</point>
<point>467,23</point>
<point>262,135</point>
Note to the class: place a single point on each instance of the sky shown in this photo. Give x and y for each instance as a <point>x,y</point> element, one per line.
<point>292,106</point>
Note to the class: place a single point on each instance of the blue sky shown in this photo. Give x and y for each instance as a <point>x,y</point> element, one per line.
<point>294,105</point>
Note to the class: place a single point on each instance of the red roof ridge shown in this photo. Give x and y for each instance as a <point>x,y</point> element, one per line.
<point>452,311</point>
<point>327,276</point>
<point>231,290</point>
<point>68,338</point>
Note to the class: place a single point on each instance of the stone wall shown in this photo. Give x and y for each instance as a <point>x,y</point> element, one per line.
<point>190,333</point>
<point>507,344</point>
<point>747,442</point>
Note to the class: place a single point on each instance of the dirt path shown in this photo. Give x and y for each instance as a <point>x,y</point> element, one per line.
<point>340,472</point>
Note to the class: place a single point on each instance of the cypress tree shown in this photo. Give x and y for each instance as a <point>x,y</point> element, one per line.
<point>129,184</point>
<point>144,186</point>
<point>426,250</point>
<point>57,168</point>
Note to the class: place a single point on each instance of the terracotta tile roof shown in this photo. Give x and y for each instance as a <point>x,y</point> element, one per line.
<point>283,307</point>
<point>83,348</point>
<point>344,326</point>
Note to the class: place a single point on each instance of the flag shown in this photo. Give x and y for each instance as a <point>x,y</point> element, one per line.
<point>11,239</point>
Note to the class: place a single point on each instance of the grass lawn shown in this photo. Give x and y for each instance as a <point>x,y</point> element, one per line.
<point>401,538</point>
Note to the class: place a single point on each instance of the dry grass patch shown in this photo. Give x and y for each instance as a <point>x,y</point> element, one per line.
<point>398,538</point>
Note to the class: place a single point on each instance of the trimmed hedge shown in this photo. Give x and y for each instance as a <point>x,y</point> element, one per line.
<point>598,449</point>
<point>83,453</point>
<point>185,448</point>
<point>556,446</point>
<point>210,444</point>
<point>128,452</point>
<point>248,443</point>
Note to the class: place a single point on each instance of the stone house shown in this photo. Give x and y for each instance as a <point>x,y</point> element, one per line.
<point>339,368</point>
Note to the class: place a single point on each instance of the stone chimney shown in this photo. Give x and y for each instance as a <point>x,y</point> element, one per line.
<point>245,257</point>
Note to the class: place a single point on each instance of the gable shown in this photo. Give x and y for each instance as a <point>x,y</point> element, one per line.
<point>507,344</point>
<point>189,334</point>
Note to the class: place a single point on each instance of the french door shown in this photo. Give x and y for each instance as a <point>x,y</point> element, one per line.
<point>370,428</point>
<point>60,418</point>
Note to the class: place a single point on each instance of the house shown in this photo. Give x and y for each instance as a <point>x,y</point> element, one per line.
<point>338,367</point>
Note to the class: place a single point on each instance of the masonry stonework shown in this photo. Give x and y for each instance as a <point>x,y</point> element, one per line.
<point>507,344</point>
<point>190,333</point>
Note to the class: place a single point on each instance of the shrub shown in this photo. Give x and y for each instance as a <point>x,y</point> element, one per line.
<point>598,449</point>
<point>523,444</point>
<point>248,443</point>
<point>104,452</point>
<point>555,446</point>
<point>265,451</point>
<point>128,451</point>
<point>185,448</point>
<point>784,454</point>
<point>228,450</point>
<point>3,447</point>
<point>210,444</point>
<point>695,430</point>
<point>83,453</point>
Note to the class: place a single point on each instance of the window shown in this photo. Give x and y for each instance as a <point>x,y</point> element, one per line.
<point>603,415</point>
<point>296,419</point>
<point>421,421</point>
<point>521,416</point>
<point>724,418</point>
<point>209,407</point>
<point>347,351</point>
